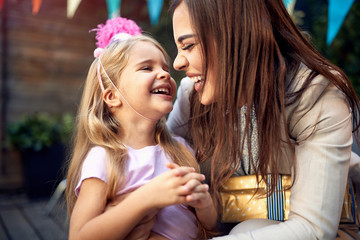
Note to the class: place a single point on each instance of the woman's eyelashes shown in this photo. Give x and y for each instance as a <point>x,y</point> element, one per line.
<point>189,46</point>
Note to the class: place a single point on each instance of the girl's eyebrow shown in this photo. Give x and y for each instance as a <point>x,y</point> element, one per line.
<point>183,37</point>
<point>149,61</point>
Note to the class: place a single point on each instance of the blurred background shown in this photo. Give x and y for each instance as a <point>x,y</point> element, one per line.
<point>45,55</point>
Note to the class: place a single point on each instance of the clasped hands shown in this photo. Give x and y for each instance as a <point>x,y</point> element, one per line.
<point>179,185</point>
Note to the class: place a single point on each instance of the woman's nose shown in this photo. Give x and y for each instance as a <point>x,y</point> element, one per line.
<point>180,63</point>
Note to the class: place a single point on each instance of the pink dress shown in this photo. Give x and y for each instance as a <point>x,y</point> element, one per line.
<point>174,222</point>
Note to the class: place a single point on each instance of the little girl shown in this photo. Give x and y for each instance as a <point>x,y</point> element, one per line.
<point>123,151</point>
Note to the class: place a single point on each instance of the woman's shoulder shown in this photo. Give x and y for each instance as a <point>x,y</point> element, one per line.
<point>320,103</point>
<point>320,90</point>
<point>179,139</point>
<point>186,85</point>
<point>177,121</point>
<point>312,92</point>
<point>185,88</point>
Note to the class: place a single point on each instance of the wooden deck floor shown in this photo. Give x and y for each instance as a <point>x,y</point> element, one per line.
<point>24,219</point>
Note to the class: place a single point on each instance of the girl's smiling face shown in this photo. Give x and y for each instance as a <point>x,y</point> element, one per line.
<point>190,57</point>
<point>146,83</point>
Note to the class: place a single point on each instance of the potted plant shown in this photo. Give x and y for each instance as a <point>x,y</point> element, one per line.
<point>41,140</point>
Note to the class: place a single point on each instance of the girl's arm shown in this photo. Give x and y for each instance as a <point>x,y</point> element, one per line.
<point>89,221</point>
<point>142,231</point>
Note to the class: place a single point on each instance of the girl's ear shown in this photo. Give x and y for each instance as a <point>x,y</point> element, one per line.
<point>111,99</point>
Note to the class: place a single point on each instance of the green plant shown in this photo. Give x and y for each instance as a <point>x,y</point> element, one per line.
<point>38,131</point>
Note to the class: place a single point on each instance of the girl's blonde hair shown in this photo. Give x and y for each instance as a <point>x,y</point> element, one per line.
<point>97,126</point>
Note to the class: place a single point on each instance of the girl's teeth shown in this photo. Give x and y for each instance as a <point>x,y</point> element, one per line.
<point>163,90</point>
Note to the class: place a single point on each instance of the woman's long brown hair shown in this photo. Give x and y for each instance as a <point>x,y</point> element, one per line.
<point>258,51</point>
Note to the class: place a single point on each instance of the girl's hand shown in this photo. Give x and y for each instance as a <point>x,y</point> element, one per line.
<point>197,195</point>
<point>199,198</point>
<point>170,187</point>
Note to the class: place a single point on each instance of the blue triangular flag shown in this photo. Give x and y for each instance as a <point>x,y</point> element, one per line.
<point>337,12</point>
<point>287,3</point>
<point>113,7</point>
<point>154,7</point>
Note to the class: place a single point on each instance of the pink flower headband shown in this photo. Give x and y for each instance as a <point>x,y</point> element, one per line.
<point>116,29</point>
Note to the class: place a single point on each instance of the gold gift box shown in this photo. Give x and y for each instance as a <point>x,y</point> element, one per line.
<point>349,212</point>
<point>243,198</point>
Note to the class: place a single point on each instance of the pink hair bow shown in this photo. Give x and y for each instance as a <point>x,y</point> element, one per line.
<point>97,52</point>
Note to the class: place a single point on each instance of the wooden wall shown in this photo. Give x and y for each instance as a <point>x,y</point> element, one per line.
<point>44,59</point>
<point>48,55</point>
<point>44,62</point>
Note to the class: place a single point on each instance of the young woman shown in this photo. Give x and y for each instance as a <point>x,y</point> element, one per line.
<point>119,173</point>
<point>260,101</point>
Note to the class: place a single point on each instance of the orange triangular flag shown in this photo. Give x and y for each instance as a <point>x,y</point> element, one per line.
<point>36,6</point>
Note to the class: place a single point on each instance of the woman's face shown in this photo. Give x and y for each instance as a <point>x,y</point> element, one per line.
<point>190,58</point>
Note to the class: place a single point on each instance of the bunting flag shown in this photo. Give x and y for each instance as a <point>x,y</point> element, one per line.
<point>288,3</point>
<point>36,6</point>
<point>154,8</point>
<point>113,7</point>
<point>337,12</point>
<point>72,5</point>
<point>290,6</point>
